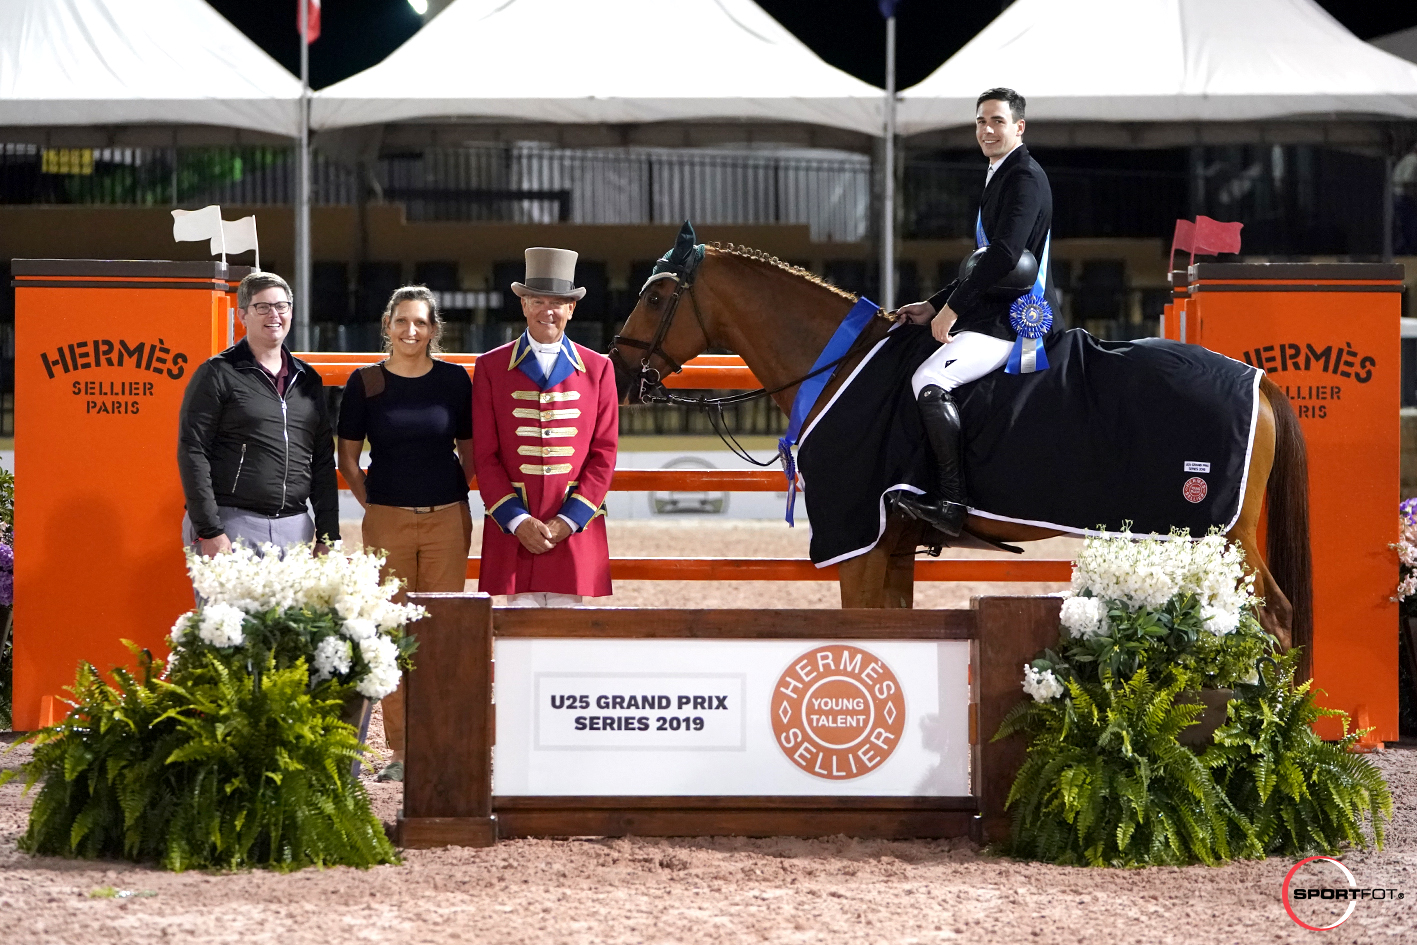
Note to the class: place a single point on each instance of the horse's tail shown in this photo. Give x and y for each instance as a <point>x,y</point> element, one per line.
<point>1287,542</point>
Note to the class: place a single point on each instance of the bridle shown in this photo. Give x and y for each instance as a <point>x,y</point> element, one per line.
<point>649,381</point>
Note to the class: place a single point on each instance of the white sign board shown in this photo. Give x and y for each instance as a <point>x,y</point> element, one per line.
<point>881,718</point>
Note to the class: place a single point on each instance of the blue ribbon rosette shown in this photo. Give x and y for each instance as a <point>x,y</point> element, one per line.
<point>1031,318</point>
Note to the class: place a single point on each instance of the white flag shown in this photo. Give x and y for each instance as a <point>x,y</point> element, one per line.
<point>203,224</point>
<point>240,237</point>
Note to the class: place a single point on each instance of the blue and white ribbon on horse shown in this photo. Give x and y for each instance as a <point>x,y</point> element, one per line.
<point>841,341</point>
<point>1030,317</point>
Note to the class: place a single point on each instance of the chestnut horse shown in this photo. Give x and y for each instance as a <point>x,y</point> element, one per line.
<point>779,318</point>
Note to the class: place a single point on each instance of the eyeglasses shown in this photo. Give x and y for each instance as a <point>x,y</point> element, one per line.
<point>265,308</point>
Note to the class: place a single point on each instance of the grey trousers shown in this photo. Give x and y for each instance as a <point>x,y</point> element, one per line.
<point>256,529</point>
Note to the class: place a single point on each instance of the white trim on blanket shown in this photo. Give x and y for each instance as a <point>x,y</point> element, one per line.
<point>1250,448</point>
<point>898,487</point>
<point>840,390</point>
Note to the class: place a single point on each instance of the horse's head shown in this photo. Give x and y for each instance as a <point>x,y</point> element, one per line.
<point>666,328</point>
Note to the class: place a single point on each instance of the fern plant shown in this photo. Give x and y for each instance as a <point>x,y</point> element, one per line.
<point>1303,795</point>
<point>1106,783</point>
<point>205,772</point>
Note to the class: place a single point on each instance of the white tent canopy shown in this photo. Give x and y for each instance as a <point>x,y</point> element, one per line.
<point>1168,72</point>
<point>621,71</point>
<point>86,71</point>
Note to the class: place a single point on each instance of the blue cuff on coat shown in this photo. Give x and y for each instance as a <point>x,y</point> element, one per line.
<point>507,510</point>
<point>578,509</point>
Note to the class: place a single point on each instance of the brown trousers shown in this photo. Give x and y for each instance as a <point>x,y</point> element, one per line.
<point>427,551</point>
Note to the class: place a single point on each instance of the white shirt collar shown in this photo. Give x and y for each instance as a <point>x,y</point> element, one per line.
<point>548,348</point>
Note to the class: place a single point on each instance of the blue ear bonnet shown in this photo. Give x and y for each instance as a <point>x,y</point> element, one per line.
<point>683,259</point>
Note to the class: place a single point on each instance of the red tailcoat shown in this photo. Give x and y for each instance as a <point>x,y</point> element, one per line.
<point>545,446</point>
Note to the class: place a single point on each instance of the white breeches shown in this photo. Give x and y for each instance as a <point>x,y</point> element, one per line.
<point>967,358</point>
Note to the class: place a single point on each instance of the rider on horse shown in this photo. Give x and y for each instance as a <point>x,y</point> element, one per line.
<point>971,315</point>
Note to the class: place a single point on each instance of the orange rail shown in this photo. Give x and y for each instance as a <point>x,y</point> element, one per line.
<point>706,372</point>
<point>1040,570</point>
<point>686,480</point>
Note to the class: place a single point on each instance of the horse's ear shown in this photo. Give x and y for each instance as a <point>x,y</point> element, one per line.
<point>683,244</point>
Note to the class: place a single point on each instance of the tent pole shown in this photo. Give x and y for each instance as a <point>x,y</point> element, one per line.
<point>302,205</point>
<point>888,184</point>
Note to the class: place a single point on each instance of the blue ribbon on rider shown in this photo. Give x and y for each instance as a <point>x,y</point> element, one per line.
<point>1030,317</point>
<point>809,390</point>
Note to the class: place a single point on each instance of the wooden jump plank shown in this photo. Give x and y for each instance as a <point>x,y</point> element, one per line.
<point>965,804</point>
<point>1011,632</point>
<point>1010,570</point>
<point>447,796</point>
<point>808,822</point>
<point>729,623</point>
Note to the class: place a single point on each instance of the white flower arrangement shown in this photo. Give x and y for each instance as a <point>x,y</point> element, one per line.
<point>1084,617</point>
<point>1149,572</point>
<point>1406,548</point>
<point>1042,685</point>
<point>1173,597</point>
<point>247,591</point>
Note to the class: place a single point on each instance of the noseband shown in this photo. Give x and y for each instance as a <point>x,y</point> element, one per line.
<point>649,380</point>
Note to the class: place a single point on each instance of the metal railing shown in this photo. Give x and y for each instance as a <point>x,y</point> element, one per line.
<point>941,199</point>
<point>830,195</point>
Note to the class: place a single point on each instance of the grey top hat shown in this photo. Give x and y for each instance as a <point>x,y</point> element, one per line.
<point>550,272</point>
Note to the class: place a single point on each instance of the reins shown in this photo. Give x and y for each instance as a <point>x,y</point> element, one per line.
<point>650,381</point>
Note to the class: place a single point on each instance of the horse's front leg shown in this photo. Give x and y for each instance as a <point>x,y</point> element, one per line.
<point>863,578</point>
<point>885,575</point>
<point>902,537</point>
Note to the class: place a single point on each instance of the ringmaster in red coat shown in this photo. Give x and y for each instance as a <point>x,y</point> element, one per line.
<point>545,428</point>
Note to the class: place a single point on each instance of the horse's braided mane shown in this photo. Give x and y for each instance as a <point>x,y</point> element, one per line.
<point>757,255</point>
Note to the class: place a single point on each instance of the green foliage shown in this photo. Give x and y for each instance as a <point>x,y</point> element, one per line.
<point>7,499</point>
<point>1228,661</point>
<point>1303,795</point>
<point>7,639</point>
<point>195,174</point>
<point>7,682</point>
<point>1106,783</point>
<point>204,771</point>
<point>1174,634</point>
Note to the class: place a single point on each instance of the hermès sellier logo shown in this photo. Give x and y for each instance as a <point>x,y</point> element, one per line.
<point>838,712</point>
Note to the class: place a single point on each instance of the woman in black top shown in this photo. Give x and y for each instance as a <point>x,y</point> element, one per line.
<point>416,412</point>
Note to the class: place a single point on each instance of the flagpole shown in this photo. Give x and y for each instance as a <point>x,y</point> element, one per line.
<point>888,185</point>
<point>302,206</point>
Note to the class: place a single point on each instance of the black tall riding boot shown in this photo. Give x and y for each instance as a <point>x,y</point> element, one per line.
<point>944,507</point>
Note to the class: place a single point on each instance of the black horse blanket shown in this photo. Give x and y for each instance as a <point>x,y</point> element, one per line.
<point>1153,433</point>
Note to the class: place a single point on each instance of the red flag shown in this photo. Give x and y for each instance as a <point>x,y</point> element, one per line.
<point>312,27</point>
<point>1183,240</point>
<point>1212,236</point>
